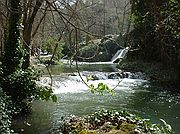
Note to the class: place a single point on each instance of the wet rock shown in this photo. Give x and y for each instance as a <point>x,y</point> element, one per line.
<point>114,75</point>
<point>137,75</point>
<point>72,74</point>
<point>95,75</point>
<point>49,62</point>
<point>117,75</point>
<point>121,75</point>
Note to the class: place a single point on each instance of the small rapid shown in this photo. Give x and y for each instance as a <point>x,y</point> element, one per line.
<point>133,93</point>
<point>73,83</point>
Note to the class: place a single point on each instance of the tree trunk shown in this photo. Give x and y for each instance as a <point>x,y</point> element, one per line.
<point>12,53</point>
<point>27,45</point>
<point>28,23</point>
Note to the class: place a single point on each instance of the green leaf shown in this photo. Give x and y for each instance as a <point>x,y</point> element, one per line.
<point>90,78</point>
<point>92,88</point>
<point>101,86</point>
<point>54,98</point>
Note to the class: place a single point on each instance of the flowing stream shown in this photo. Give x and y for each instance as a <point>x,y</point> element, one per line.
<point>133,93</point>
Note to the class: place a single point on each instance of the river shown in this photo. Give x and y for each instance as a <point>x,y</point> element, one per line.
<point>133,93</point>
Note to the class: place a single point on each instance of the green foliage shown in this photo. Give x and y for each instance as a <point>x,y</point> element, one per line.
<point>6,110</point>
<point>50,44</point>
<point>171,18</point>
<point>12,50</point>
<point>99,49</point>
<point>106,121</point>
<point>90,78</point>
<point>156,30</point>
<point>101,88</point>
<point>21,86</point>
<point>46,94</point>
<point>92,88</point>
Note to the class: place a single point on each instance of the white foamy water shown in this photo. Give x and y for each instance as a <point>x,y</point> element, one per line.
<point>74,84</point>
<point>120,54</point>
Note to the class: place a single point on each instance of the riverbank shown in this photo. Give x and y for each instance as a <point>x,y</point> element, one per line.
<point>113,122</point>
<point>74,98</point>
<point>155,72</point>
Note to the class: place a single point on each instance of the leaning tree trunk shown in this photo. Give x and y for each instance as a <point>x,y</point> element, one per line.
<point>12,54</point>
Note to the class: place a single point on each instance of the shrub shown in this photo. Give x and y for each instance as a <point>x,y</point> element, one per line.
<point>50,44</point>
<point>18,90</point>
<point>21,86</point>
<point>6,110</point>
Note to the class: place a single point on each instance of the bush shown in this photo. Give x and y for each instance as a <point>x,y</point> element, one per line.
<point>6,111</point>
<point>89,52</point>
<point>50,44</point>
<point>21,86</point>
<point>18,90</point>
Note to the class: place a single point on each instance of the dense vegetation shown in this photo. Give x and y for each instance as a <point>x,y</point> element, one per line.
<point>113,122</point>
<point>18,83</point>
<point>157,31</point>
<point>75,33</point>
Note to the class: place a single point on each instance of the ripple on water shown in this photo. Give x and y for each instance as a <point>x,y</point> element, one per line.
<point>74,97</point>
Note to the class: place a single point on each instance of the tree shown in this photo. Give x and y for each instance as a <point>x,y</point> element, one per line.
<point>156,31</point>
<point>12,49</point>
<point>50,44</point>
<point>16,81</point>
<point>156,35</point>
<point>3,18</point>
<point>29,14</point>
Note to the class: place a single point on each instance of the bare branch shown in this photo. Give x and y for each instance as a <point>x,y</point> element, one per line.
<point>73,25</point>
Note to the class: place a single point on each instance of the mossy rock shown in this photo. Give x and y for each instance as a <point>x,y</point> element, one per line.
<point>99,49</point>
<point>113,122</point>
<point>88,132</point>
<point>127,127</point>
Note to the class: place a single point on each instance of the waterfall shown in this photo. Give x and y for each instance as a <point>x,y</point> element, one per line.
<point>120,54</point>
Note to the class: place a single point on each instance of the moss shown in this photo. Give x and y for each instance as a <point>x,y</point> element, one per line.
<point>99,49</point>
<point>88,132</point>
<point>111,122</point>
<point>127,127</point>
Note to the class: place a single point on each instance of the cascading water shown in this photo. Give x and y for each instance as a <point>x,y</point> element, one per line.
<point>133,94</point>
<point>73,83</point>
<point>120,54</point>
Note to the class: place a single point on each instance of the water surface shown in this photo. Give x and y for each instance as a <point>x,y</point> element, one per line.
<point>74,98</point>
